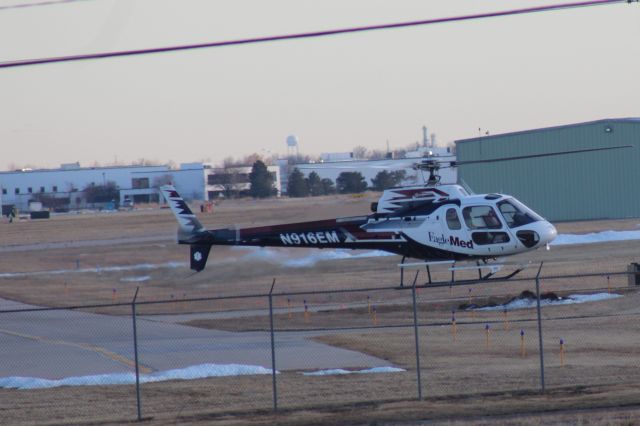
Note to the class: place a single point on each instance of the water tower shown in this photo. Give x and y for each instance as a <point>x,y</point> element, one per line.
<point>292,146</point>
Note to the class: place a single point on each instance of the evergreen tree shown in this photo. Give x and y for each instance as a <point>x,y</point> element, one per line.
<point>261,181</point>
<point>315,184</point>
<point>350,183</point>
<point>297,185</point>
<point>385,180</point>
<point>327,186</point>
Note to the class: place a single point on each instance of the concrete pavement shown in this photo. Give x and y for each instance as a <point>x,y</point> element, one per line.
<point>61,343</point>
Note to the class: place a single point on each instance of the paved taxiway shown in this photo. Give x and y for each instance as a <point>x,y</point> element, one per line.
<point>60,343</point>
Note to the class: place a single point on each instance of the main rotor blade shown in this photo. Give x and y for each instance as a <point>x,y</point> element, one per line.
<point>522,157</point>
<point>387,165</point>
<point>339,167</point>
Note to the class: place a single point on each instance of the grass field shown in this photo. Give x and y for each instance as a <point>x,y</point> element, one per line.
<point>65,261</point>
<point>211,402</point>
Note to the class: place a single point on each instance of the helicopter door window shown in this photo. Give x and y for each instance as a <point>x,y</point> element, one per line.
<point>481,217</point>
<point>485,238</point>
<point>453,221</point>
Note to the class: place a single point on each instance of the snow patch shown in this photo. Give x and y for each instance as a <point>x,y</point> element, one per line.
<point>531,303</point>
<point>194,372</point>
<point>583,298</point>
<point>340,371</point>
<point>595,237</point>
<point>135,279</point>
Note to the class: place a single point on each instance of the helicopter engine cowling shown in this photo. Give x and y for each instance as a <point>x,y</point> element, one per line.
<point>395,199</point>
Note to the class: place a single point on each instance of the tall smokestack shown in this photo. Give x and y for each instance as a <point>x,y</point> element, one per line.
<point>433,140</point>
<point>425,137</point>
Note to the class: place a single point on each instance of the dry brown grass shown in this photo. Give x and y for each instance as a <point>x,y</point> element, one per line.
<point>464,380</point>
<point>222,401</point>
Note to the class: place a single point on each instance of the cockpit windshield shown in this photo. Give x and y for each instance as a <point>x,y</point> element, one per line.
<point>517,214</point>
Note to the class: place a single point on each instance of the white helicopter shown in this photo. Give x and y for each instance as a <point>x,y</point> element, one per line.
<point>431,222</point>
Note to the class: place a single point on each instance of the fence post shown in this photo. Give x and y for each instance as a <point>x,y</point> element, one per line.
<point>273,349</point>
<point>540,328</point>
<point>415,332</point>
<point>135,352</point>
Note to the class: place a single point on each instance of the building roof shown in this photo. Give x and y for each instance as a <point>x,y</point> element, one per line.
<point>6,172</point>
<point>564,126</point>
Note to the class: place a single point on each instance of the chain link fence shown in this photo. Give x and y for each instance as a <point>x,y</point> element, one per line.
<point>258,353</point>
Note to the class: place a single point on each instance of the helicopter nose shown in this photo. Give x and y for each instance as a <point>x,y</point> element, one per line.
<point>537,234</point>
<point>548,233</point>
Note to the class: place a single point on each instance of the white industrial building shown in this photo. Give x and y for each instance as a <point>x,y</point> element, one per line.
<point>63,187</point>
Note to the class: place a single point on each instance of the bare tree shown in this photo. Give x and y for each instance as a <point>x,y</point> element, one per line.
<point>377,154</point>
<point>228,162</point>
<point>250,160</point>
<point>158,181</point>
<point>145,162</point>
<point>300,159</point>
<point>232,183</point>
<point>360,152</point>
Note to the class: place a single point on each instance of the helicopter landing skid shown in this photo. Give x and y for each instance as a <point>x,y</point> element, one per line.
<point>403,265</point>
<point>493,269</point>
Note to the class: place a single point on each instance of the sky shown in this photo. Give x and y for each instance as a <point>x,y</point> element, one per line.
<point>334,93</point>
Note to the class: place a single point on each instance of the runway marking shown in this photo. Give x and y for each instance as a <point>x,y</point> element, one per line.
<point>85,346</point>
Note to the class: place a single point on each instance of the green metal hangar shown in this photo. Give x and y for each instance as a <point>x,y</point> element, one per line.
<point>584,186</point>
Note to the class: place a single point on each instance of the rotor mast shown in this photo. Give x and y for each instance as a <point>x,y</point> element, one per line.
<point>432,166</point>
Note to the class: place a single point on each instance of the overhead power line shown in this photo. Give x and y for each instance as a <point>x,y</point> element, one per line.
<point>41,3</point>
<point>315,34</point>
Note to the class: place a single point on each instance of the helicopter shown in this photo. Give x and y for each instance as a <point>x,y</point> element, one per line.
<point>432,222</point>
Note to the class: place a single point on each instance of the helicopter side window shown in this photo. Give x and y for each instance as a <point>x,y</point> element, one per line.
<point>453,221</point>
<point>481,217</point>
<point>485,238</point>
<point>517,214</point>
